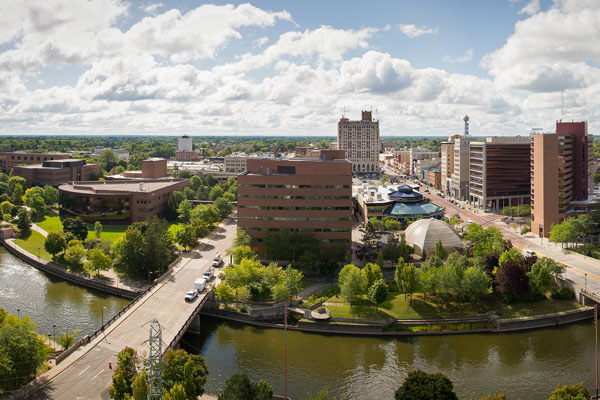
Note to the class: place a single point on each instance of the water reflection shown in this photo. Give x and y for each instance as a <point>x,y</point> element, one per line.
<point>521,365</point>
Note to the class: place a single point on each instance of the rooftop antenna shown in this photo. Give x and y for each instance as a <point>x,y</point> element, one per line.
<point>466,119</point>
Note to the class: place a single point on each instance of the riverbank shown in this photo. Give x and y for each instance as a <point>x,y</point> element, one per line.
<point>414,327</point>
<point>73,277</point>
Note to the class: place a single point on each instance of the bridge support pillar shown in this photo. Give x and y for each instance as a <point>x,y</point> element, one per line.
<point>195,325</point>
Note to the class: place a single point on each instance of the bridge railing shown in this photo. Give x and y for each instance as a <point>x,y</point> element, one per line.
<point>88,338</point>
<point>188,321</point>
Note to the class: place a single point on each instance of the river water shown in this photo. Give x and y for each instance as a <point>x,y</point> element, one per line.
<point>526,365</point>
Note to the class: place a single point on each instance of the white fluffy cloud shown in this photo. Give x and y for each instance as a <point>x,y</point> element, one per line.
<point>165,72</point>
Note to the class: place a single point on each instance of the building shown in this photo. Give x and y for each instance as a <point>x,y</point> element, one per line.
<point>56,172</point>
<point>308,196</point>
<point>447,163</point>
<point>434,178</point>
<point>401,203</point>
<point>236,162</point>
<point>499,173</point>
<point>559,174</point>
<point>360,140</point>
<point>120,154</point>
<point>425,234</point>
<point>189,155</point>
<point>184,144</point>
<point>117,202</point>
<point>9,160</point>
<point>152,168</point>
<point>460,176</point>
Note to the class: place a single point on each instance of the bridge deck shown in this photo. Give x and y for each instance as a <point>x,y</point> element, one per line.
<point>85,373</point>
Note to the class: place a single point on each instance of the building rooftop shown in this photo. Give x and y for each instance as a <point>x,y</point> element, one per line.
<point>118,187</point>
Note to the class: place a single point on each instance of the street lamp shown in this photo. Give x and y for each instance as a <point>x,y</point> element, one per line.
<point>18,313</point>
<point>103,316</point>
<point>586,282</point>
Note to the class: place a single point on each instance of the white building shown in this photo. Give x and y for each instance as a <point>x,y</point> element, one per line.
<point>360,140</point>
<point>236,162</point>
<point>184,143</point>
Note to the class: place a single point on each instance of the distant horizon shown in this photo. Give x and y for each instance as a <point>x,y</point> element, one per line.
<point>293,68</point>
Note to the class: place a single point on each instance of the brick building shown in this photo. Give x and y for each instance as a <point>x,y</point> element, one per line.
<point>117,202</point>
<point>56,172</point>
<point>9,160</point>
<point>360,140</point>
<point>311,196</point>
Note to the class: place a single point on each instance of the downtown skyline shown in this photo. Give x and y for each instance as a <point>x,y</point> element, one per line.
<point>109,67</point>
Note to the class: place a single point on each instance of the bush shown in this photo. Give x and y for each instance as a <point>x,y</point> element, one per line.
<point>562,293</point>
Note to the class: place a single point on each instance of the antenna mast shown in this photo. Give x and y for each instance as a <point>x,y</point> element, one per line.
<point>155,361</point>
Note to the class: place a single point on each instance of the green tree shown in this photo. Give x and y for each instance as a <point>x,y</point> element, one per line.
<point>75,228</point>
<point>540,276</point>
<point>24,223</point>
<point>215,193</point>
<point>420,385</point>
<point>475,284</point>
<point>377,293</point>
<point>14,182</point>
<point>108,160</point>
<point>513,254</point>
<point>187,369</point>
<point>241,252</point>
<point>124,374</point>
<point>129,252</point>
<point>50,195</point>
<point>223,207</point>
<point>99,260</point>
<point>98,230</point>
<point>406,278</point>
<point>281,292</point>
<point>195,182</point>
<point>139,387</point>
<point>6,207</point>
<point>570,392</point>
<point>241,239</point>
<point>239,387</point>
<point>200,227</point>
<point>22,351</point>
<point>440,251</point>
<point>175,199</point>
<point>429,280</point>
<point>372,274</point>
<point>186,236</point>
<point>224,293</point>
<point>293,279</point>
<point>55,243</point>
<point>67,339</point>
<point>185,210</point>
<point>352,283</point>
<point>564,232</point>
<point>380,258</point>
<point>17,196</point>
<point>75,253</point>
<point>177,392</point>
<point>158,249</point>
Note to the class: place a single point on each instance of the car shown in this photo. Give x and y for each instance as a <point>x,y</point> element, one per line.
<point>191,295</point>
<point>217,260</point>
<point>529,252</point>
<point>208,274</point>
<point>469,222</point>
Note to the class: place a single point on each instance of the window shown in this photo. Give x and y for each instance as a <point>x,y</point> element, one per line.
<point>282,169</point>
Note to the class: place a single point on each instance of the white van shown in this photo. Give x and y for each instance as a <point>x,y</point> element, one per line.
<point>216,263</point>
<point>200,284</point>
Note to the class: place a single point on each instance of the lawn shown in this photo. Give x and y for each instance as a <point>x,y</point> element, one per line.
<point>34,244</point>
<point>109,232</point>
<point>434,307</point>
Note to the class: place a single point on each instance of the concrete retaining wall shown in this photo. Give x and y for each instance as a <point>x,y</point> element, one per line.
<point>60,272</point>
<point>544,321</point>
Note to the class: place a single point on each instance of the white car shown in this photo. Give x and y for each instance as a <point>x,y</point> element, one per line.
<point>208,274</point>
<point>191,295</point>
<point>529,252</point>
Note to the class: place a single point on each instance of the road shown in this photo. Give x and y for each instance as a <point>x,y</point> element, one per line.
<point>86,375</point>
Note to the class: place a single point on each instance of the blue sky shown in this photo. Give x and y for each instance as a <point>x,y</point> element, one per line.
<point>292,67</point>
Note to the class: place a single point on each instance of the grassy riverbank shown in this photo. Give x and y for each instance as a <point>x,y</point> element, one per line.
<point>109,232</point>
<point>34,243</point>
<point>396,306</point>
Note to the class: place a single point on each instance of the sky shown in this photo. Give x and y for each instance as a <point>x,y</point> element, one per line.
<point>82,67</point>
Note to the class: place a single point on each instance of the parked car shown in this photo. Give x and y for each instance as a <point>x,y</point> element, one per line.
<point>191,295</point>
<point>208,274</point>
<point>216,263</point>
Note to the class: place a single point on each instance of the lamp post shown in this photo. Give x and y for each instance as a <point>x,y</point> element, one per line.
<point>585,282</point>
<point>54,332</point>
<point>103,316</point>
<point>18,313</point>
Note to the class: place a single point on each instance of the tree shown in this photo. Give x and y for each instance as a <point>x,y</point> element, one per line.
<point>75,253</point>
<point>511,280</point>
<point>372,273</point>
<point>242,239</point>
<point>241,252</point>
<point>370,239</point>
<point>124,374</point>
<point>14,182</point>
<point>177,392</point>
<point>175,199</point>
<point>540,276</point>
<point>185,210</point>
<point>55,243</point>
<point>491,262</point>
<point>513,254</point>
<point>570,392</point>
<point>440,251</point>
<point>352,283</point>
<point>420,385</point>
<point>17,196</point>
<point>98,230</point>
<point>564,232</point>
<point>239,387</point>
<point>186,236</point>
<point>195,182</point>
<point>429,280</point>
<point>99,260</point>
<point>22,351</point>
<point>378,292</point>
<point>158,248</point>
<point>24,223</point>
<point>475,284</point>
<point>281,292</point>
<point>50,195</point>
<point>129,251</point>
<point>33,198</point>
<point>108,160</point>
<point>406,278</point>
<point>223,206</point>
<point>6,207</point>
<point>215,193</point>
<point>380,258</point>
<point>187,369</point>
<point>139,387</point>
<point>75,228</point>
<point>293,279</point>
<point>224,293</point>
<point>67,339</point>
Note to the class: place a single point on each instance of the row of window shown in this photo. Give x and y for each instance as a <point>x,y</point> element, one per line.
<point>295,186</point>
<point>304,219</point>
<point>320,230</point>
<point>273,197</point>
<point>297,208</point>
<point>342,241</point>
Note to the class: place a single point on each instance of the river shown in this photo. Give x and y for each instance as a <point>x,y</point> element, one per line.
<point>526,365</point>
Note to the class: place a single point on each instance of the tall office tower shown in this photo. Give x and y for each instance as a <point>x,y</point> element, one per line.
<point>305,196</point>
<point>447,163</point>
<point>184,143</point>
<point>559,175</point>
<point>360,140</point>
<point>499,172</point>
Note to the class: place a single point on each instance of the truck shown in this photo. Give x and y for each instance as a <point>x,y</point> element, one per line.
<point>208,274</point>
<point>217,260</point>
<point>200,284</point>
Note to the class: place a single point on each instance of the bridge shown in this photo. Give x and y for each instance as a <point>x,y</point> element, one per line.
<point>85,373</point>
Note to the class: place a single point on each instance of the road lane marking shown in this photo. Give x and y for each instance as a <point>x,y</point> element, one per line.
<point>84,370</point>
<point>98,373</point>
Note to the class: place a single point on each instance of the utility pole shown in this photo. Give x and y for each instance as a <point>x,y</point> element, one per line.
<point>285,354</point>
<point>155,361</point>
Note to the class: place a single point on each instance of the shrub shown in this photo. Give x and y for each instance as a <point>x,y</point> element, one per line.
<point>562,293</point>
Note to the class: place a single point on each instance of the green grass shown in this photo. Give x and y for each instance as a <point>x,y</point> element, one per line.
<point>109,232</point>
<point>434,307</point>
<point>34,244</point>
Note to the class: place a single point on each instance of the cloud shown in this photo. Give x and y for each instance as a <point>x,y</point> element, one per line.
<point>151,8</point>
<point>412,31</point>
<point>260,42</point>
<point>468,56</point>
<point>533,7</point>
